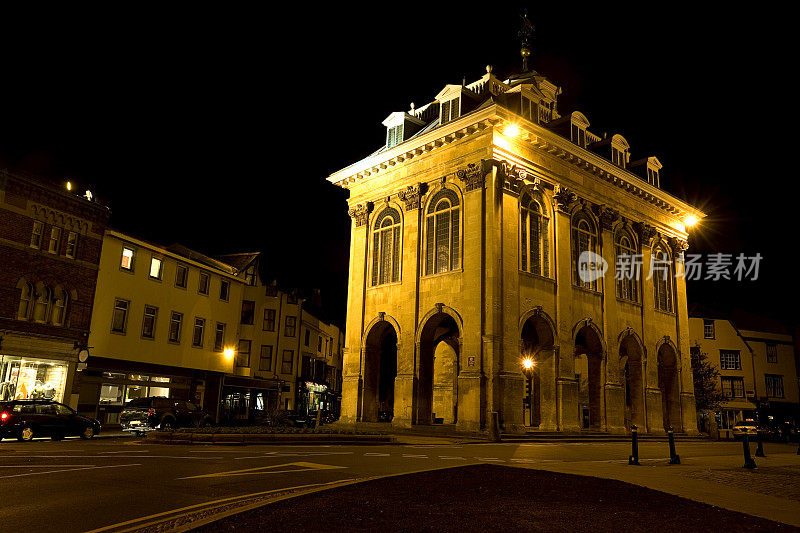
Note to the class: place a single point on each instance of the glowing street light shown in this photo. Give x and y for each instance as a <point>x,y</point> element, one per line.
<point>690,221</point>
<point>527,368</point>
<point>527,364</point>
<point>229,352</point>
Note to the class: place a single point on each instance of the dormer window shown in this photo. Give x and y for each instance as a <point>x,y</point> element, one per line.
<point>619,151</point>
<point>449,110</point>
<point>545,111</point>
<point>652,177</point>
<point>577,132</point>
<point>394,136</point>
<point>528,109</point>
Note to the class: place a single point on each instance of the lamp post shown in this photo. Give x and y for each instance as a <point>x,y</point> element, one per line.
<point>527,369</point>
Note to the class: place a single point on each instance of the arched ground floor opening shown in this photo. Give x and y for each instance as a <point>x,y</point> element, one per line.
<point>631,356</point>
<point>380,371</point>
<point>668,383</point>
<point>437,392</point>
<point>588,371</point>
<point>537,344</point>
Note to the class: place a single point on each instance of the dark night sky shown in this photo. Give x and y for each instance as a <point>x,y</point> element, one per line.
<point>217,129</point>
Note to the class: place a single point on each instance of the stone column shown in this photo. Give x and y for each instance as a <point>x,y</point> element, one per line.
<point>472,363</point>
<point>685,376</point>
<point>566,384</point>
<point>613,391</point>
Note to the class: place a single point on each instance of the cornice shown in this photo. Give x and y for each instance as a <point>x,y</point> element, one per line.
<point>534,135</point>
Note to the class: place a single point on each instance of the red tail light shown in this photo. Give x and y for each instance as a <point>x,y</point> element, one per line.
<point>3,416</point>
<point>151,411</point>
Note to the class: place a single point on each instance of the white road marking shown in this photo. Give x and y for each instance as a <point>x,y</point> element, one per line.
<point>304,467</point>
<point>490,459</point>
<point>107,457</point>
<point>125,451</point>
<point>415,456</point>
<point>376,455</point>
<point>451,457</point>
<point>42,466</point>
<point>69,470</point>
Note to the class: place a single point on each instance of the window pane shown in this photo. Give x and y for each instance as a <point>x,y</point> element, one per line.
<point>155,268</point>
<point>127,259</point>
<point>442,241</point>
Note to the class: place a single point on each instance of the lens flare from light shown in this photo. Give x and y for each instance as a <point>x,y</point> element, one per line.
<point>690,221</point>
<point>512,130</point>
<point>527,363</point>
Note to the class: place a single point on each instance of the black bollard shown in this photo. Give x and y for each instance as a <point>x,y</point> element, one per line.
<point>748,461</point>
<point>760,448</point>
<point>674,458</point>
<point>634,458</point>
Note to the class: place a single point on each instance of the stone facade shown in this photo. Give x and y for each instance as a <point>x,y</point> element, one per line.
<point>444,300</point>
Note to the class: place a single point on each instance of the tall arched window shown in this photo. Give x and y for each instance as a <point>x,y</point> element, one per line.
<point>662,278</point>
<point>534,230</point>
<point>442,224</point>
<point>25,300</point>
<point>584,239</point>
<point>59,306</point>
<point>41,307</point>
<point>386,247</point>
<point>627,268</point>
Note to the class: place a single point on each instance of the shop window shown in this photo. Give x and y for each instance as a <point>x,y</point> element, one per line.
<point>159,391</point>
<point>127,261</point>
<point>224,290</point>
<point>55,239</point>
<point>31,379</point>
<point>149,322</point>
<point>199,331</point>
<point>772,353</point>
<point>248,312</point>
<point>119,319</point>
<point>36,235</point>
<point>291,326</point>
<point>202,288</point>
<point>112,393</point>
<point>219,338</point>
<point>175,323</point>
<point>243,354</point>
<point>265,359</point>
<point>155,268</point>
<point>287,362</point>
<point>181,275</point>
<point>269,320</point>
<point>72,245</point>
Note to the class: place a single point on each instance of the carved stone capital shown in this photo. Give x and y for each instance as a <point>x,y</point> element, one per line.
<point>360,213</point>
<point>645,231</point>
<point>472,176</point>
<point>564,198</point>
<point>678,246</point>
<point>412,195</point>
<point>607,215</point>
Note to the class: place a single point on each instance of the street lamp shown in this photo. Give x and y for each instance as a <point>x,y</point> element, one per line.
<point>527,368</point>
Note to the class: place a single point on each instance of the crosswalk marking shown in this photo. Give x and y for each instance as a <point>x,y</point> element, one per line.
<point>271,469</point>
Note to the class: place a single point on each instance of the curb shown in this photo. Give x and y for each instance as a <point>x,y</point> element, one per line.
<point>264,438</point>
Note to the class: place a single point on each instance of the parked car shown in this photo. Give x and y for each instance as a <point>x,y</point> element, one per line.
<point>158,412</point>
<point>26,419</point>
<point>745,427</point>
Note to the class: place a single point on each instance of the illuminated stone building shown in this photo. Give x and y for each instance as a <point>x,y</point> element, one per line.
<point>467,231</point>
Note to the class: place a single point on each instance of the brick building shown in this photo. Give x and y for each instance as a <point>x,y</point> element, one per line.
<point>50,242</point>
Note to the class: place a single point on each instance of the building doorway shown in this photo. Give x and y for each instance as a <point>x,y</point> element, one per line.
<point>669,386</point>
<point>630,353</point>
<point>537,345</point>
<point>380,371</point>
<point>588,366</point>
<point>437,399</point>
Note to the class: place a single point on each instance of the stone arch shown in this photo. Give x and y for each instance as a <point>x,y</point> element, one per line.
<point>538,341</point>
<point>437,186</point>
<point>438,351</point>
<point>669,384</point>
<point>379,318</point>
<point>590,355</point>
<point>632,358</point>
<point>379,356</point>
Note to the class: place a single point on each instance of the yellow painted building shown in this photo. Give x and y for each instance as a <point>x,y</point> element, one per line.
<point>161,322</point>
<point>469,227</point>
<point>757,363</point>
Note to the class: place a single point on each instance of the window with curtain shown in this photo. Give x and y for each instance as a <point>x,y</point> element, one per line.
<point>60,307</point>
<point>534,240</point>
<point>442,233</point>
<point>41,307</point>
<point>627,267</point>
<point>25,299</point>
<point>584,238</point>
<point>386,247</point>
<point>662,279</point>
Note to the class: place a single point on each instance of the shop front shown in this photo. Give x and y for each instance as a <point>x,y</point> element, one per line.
<point>314,396</point>
<point>107,385</point>
<point>29,378</point>
<point>248,400</point>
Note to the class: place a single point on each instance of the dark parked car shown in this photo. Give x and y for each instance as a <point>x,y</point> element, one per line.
<point>26,419</point>
<point>157,412</point>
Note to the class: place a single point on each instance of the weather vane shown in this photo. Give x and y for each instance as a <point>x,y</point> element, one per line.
<point>524,34</point>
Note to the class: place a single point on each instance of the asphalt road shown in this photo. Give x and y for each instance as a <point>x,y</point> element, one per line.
<point>75,485</point>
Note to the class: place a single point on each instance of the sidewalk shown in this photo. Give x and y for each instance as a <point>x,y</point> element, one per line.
<point>771,491</point>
